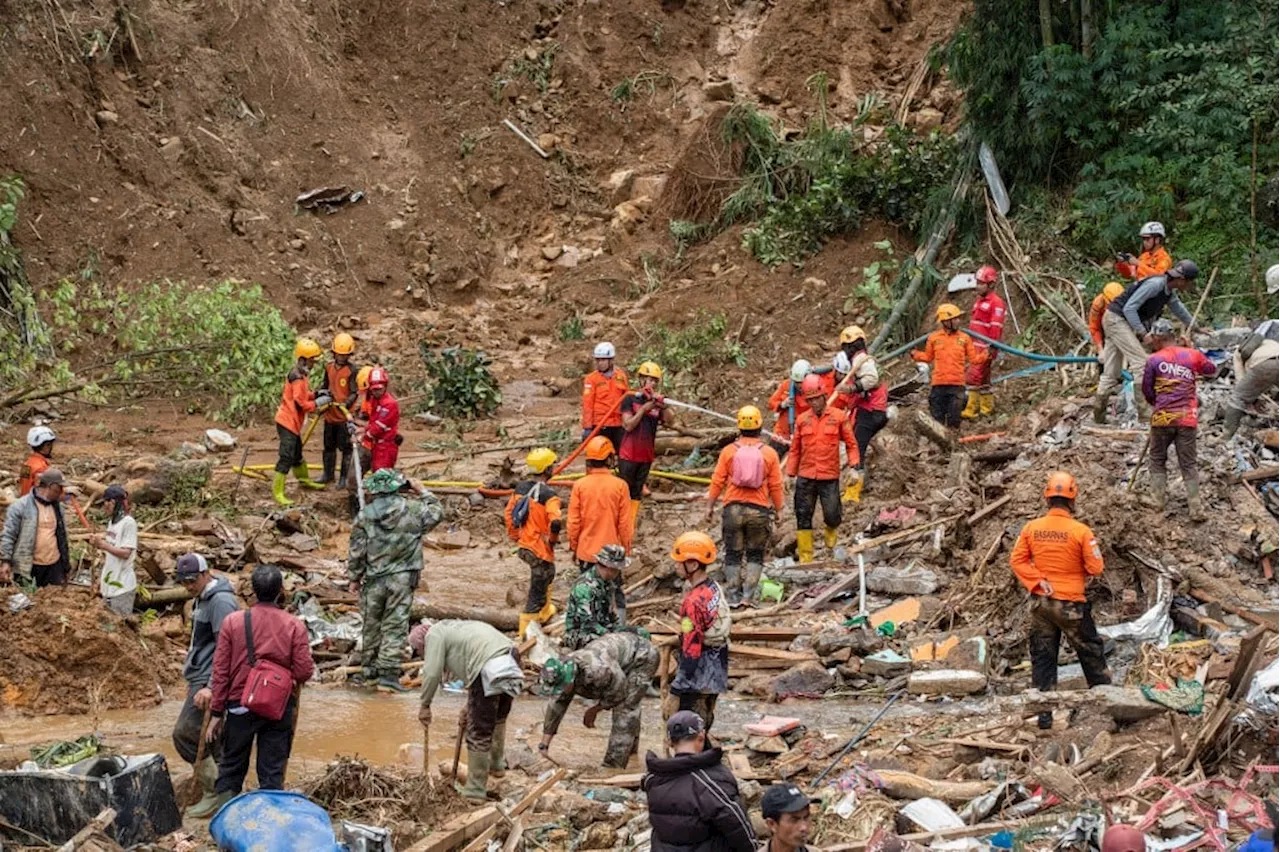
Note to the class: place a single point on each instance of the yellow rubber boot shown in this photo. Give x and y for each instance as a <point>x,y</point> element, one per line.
<point>526,618</point>
<point>301,474</point>
<point>277,490</point>
<point>853,494</point>
<point>987,404</point>
<point>971,407</point>
<point>547,612</point>
<point>829,537</point>
<point>804,546</point>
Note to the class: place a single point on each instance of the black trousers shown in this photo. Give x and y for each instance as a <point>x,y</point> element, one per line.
<point>614,434</point>
<point>186,731</point>
<point>336,440</point>
<point>541,575</point>
<point>49,575</point>
<point>865,426</point>
<point>485,712</point>
<point>810,492</point>
<point>290,450</point>
<point>275,741</point>
<point>635,474</point>
<point>945,404</point>
<point>1051,622</point>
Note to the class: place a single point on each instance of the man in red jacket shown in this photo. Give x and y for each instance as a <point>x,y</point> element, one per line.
<point>382,435</point>
<point>276,636</point>
<point>986,318</point>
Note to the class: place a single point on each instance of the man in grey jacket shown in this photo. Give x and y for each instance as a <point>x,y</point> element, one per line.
<point>1127,324</point>
<point>214,601</point>
<point>34,545</point>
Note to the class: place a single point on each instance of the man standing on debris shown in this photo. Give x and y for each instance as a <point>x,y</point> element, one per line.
<point>1054,558</point>
<point>1256,372</point>
<point>1098,310</point>
<point>40,439</point>
<point>694,803</point>
<point>951,352</point>
<point>642,413</point>
<point>263,634</point>
<point>1154,259</point>
<point>785,810</point>
<point>34,543</point>
<point>788,403</point>
<point>359,413</point>
<point>704,628</point>
<point>534,521</point>
<point>1169,384</point>
<point>868,400</point>
<point>592,608</point>
<point>986,318</point>
<point>602,393</point>
<point>600,511</point>
<point>118,583</point>
<point>382,435</point>
<point>385,564</point>
<point>214,601</point>
<point>488,665</point>
<point>296,402</point>
<point>749,475</point>
<point>614,670</point>
<point>339,383</point>
<point>815,461</point>
<point>1126,326</point>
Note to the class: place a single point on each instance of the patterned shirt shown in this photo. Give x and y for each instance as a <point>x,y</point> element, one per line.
<point>1169,384</point>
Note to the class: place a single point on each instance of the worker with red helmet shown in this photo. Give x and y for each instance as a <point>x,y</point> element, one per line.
<point>986,318</point>
<point>382,435</point>
<point>600,512</point>
<point>703,672</point>
<point>1054,558</point>
<point>815,462</point>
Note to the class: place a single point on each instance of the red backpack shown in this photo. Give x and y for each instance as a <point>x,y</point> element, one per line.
<point>266,692</point>
<point>747,468</point>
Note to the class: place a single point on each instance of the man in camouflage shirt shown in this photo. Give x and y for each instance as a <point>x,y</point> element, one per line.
<point>592,609</point>
<point>384,564</point>
<point>615,670</point>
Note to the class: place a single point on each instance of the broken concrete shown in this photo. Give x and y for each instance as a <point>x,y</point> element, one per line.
<point>946,682</point>
<point>911,580</point>
<point>810,678</point>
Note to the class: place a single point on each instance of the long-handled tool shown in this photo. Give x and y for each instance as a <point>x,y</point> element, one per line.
<point>1137,468</point>
<point>204,730</point>
<point>235,489</point>
<point>355,460</point>
<point>457,746</point>
<point>426,757</point>
<point>718,416</point>
<point>853,742</point>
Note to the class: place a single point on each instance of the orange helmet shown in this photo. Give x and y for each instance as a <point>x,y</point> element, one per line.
<point>378,377</point>
<point>812,386</point>
<point>1061,484</point>
<point>694,545</point>
<point>599,448</point>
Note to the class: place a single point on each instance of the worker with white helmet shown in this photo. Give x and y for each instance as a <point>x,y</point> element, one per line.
<point>1256,364</point>
<point>1154,260</point>
<point>603,391</point>
<point>788,403</point>
<point>40,439</point>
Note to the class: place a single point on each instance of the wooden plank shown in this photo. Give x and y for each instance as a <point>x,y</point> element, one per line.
<point>746,634</point>
<point>901,535</point>
<point>986,745</point>
<point>514,836</point>
<point>458,830</point>
<point>755,652</point>
<point>99,823</point>
<point>1271,620</point>
<point>626,781</point>
<point>482,841</point>
<point>989,509</point>
<point>1248,661</point>
<point>1269,472</point>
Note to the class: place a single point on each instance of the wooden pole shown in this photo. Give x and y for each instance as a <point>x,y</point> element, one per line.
<point>426,756</point>
<point>204,729</point>
<point>457,746</point>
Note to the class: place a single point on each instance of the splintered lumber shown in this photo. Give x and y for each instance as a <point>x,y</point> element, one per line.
<point>460,829</point>
<point>905,785</point>
<point>948,833</point>
<point>748,634</point>
<point>1268,621</point>
<point>1248,661</point>
<point>989,508</point>
<point>506,620</point>
<point>1269,472</point>
<point>626,781</point>
<point>99,823</point>
<point>530,798</point>
<point>514,835</point>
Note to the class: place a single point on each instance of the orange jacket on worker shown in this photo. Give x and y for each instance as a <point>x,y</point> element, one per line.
<point>599,514</point>
<point>296,402</point>
<point>948,352</point>
<point>1097,310</point>
<point>536,535</point>
<point>1059,549</point>
<point>770,491</point>
<point>35,465</point>
<point>1154,262</point>
<point>340,382</point>
<point>602,398</point>
<point>777,402</point>
<point>815,445</point>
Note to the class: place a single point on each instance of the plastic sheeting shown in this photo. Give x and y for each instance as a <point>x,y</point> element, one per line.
<point>348,626</point>
<point>1154,625</point>
<point>273,821</point>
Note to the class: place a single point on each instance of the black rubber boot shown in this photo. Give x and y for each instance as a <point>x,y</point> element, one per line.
<point>328,459</point>
<point>1045,720</point>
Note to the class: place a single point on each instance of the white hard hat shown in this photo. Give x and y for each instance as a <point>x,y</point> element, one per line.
<point>841,363</point>
<point>1273,279</point>
<point>961,282</point>
<point>39,435</point>
<point>800,369</point>
<point>604,349</point>
<point>1152,229</point>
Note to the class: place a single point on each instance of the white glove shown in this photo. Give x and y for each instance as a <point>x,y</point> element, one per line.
<point>323,400</point>
<point>923,370</point>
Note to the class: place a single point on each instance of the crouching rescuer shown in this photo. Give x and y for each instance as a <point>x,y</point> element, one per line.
<point>534,521</point>
<point>1054,558</point>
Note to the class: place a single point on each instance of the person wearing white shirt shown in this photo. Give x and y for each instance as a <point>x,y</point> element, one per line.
<point>119,584</point>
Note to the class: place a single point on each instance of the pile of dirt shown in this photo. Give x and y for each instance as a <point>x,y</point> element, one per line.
<point>69,654</point>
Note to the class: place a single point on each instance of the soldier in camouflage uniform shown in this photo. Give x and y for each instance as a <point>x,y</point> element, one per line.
<point>615,670</point>
<point>592,609</point>
<point>384,564</point>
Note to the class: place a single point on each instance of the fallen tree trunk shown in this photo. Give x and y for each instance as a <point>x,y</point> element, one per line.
<point>905,785</point>
<point>506,620</point>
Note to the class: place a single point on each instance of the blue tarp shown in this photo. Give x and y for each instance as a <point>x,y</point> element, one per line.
<point>273,821</point>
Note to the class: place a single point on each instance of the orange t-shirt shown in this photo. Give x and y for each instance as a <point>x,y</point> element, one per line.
<point>1156,262</point>
<point>815,445</point>
<point>770,490</point>
<point>296,402</point>
<point>949,352</point>
<point>1057,548</point>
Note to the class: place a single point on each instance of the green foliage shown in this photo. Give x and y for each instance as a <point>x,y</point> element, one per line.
<point>571,329</point>
<point>462,385</point>
<point>65,752</point>
<point>874,287</point>
<point>685,234</point>
<point>537,69</point>
<point>700,345</point>
<point>645,82</point>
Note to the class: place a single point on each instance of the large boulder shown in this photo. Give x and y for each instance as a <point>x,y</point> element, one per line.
<point>810,678</point>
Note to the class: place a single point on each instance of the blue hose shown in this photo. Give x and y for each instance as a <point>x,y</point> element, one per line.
<point>1047,361</point>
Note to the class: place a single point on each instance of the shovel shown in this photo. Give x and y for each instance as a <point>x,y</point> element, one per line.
<point>426,758</point>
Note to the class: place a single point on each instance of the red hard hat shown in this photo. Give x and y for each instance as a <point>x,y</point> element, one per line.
<point>378,377</point>
<point>987,274</point>
<point>812,386</point>
<point>1124,838</point>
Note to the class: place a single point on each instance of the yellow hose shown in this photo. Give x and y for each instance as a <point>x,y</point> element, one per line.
<point>680,477</point>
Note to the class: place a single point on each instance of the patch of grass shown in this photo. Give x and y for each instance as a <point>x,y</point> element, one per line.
<point>644,83</point>
<point>571,328</point>
<point>702,344</point>
<point>537,69</point>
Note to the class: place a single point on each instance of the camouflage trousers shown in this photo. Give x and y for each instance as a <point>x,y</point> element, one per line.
<point>746,529</point>
<point>624,733</point>
<point>1055,620</point>
<point>384,606</point>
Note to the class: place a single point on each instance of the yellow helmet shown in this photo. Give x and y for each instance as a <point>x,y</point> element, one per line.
<point>650,369</point>
<point>1112,291</point>
<point>540,459</point>
<point>362,378</point>
<point>947,311</point>
<point>343,344</point>
<point>852,334</point>
<point>306,348</point>
<point>749,417</point>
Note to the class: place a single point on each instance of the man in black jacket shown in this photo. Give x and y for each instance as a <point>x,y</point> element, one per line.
<point>694,805</point>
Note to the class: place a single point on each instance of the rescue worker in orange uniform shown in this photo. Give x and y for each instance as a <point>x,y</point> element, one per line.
<point>986,318</point>
<point>296,402</point>
<point>950,351</point>
<point>1054,558</point>
<point>788,403</point>
<point>40,439</point>
<point>866,397</point>
<point>749,476</point>
<point>815,462</point>
<point>1098,309</point>
<point>382,435</point>
<point>340,383</point>
<point>360,412</point>
<point>600,512</point>
<point>602,393</point>
<point>534,522</point>
<point>1154,260</point>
